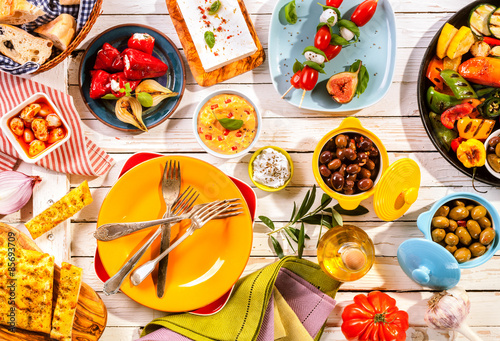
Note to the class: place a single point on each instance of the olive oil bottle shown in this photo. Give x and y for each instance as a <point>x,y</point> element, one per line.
<point>346,253</point>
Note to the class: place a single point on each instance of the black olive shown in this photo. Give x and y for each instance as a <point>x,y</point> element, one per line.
<point>324,171</point>
<point>325,157</point>
<point>350,154</point>
<point>337,181</point>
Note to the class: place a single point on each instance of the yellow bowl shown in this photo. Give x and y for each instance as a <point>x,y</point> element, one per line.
<point>264,187</point>
<point>349,125</point>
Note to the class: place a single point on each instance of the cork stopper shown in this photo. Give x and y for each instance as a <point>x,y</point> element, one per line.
<point>354,259</point>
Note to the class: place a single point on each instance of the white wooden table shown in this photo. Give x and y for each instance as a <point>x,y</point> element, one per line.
<point>395,119</point>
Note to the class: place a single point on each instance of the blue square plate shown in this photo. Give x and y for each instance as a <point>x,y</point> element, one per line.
<point>174,79</point>
<point>376,49</point>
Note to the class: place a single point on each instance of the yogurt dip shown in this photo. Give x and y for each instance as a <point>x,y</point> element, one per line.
<point>271,168</point>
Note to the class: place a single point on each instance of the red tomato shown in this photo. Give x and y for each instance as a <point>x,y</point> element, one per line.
<point>334,3</point>
<point>295,81</point>
<point>308,78</point>
<point>332,51</point>
<point>322,38</point>
<point>364,12</point>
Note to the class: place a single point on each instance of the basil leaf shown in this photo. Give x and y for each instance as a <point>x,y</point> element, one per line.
<point>109,96</point>
<point>321,24</point>
<point>300,246</point>
<point>350,26</point>
<point>277,247</point>
<point>214,8</point>
<point>231,123</point>
<point>314,66</point>
<point>331,7</point>
<point>355,66</point>
<point>210,39</point>
<point>297,66</point>
<point>338,40</point>
<point>268,222</point>
<point>360,210</point>
<point>363,79</point>
<point>145,99</point>
<point>291,12</point>
<point>314,50</point>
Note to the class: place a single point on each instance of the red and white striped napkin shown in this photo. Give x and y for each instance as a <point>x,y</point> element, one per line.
<point>79,155</point>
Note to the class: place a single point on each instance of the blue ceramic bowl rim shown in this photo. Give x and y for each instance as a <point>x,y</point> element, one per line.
<point>424,224</point>
<point>179,59</point>
<point>195,123</point>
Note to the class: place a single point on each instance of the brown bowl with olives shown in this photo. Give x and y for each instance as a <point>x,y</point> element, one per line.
<point>348,162</point>
<point>466,225</point>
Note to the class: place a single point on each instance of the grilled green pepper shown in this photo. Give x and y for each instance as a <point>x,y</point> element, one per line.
<point>439,102</point>
<point>445,135</point>
<point>460,87</point>
<point>490,108</point>
<point>487,92</point>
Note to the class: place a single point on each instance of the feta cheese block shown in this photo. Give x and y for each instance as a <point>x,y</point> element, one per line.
<point>233,40</point>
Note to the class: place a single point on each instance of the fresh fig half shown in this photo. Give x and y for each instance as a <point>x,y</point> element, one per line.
<point>342,86</point>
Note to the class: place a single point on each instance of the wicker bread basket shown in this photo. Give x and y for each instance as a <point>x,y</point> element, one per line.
<point>96,11</point>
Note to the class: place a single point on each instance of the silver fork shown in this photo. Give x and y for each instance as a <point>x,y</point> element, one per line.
<point>114,231</point>
<point>171,187</point>
<point>200,218</point>
<point>112,285</point>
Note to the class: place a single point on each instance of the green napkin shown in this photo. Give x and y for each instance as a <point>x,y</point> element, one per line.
<point>241,318</point>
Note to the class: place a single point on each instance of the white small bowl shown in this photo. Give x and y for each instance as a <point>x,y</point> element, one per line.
<point>488,167</point>
<point>14,112</point>
<point>195,124</point>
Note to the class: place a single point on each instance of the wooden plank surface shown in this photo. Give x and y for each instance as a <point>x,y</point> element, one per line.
<point>395,120</point>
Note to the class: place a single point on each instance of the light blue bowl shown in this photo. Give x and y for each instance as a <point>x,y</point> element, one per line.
<point>424,224</point>
<point>376,49</point>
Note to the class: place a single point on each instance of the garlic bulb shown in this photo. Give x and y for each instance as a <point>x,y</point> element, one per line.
<point>448,310</point>
<point>129,110</point>
<point>156,90</point>
<point>16,189</point>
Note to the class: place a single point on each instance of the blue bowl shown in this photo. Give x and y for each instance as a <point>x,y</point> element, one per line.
<point>424,224</point>
<point>174,79</point>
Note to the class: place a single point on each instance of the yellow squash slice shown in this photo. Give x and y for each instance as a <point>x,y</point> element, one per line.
<point>461,43</point>
<point>447,34</point>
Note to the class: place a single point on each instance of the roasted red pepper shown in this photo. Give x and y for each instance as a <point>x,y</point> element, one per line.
<point>108,59</point>
<point>491,41</point>
<point>142,42</point>
<point>450,116</point>
<point>118,82</point>
<point>456,142</point>
<point>140,65</point>
<point>434,73</point>
<point>100,84</point>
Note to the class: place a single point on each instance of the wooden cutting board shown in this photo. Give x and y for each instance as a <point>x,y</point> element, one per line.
<point>228,71</point>
<point>91,314</point>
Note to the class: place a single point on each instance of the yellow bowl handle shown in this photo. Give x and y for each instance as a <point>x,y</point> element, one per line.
<point>350,203</point>
<point>350,123</point>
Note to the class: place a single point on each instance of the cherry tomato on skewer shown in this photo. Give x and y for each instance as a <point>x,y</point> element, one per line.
<point>309,78</point>
<point>322,38</point>
<point>295,81</point>
<point>364,12</point>
<point>334,3</point>
<point>332,51</point>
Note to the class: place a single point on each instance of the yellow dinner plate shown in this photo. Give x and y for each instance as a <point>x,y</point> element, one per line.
<point>200,269</point>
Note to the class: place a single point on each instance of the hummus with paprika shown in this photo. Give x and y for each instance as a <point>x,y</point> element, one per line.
<point>220,139</point>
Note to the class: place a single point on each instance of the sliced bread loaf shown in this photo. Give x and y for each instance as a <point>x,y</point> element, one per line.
<point>22,47</point>
<point>18,12</point>
<point>61,31</point>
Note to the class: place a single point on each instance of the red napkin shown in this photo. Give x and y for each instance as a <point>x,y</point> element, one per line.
<point>78,155</point>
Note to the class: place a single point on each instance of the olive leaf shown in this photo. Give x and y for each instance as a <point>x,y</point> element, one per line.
<point>363,76</point>
<point>291,12</point>
<point>268,222</point>
<point>360,210</point>
<point>277,247</point>
<point>301,243</point>
<point>318,219</point>
<point>145,99</point>
<point>297,66</point>
<point>210,39</point>
<point>214,8</point>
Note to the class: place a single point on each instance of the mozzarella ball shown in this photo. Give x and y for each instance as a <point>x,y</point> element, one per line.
<point>314,57</point>
<point>346,34</point>
<point>327,14</point>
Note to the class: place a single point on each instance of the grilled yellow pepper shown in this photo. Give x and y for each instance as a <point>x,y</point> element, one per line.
<point>472,153</point>
<point>461,43</point>
<point>447,34</point>
<point>475,128</point>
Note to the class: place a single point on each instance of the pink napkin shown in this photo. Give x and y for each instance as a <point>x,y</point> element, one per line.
<point>311,306</point>
<point>78,155</point>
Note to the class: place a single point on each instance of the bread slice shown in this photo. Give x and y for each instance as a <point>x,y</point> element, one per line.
<point>69,2</point>
<point>18,12</point>
<point>22,47</point>
<point>60,31</point>
<point>67,300</point>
